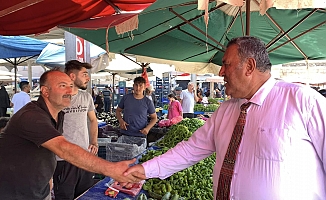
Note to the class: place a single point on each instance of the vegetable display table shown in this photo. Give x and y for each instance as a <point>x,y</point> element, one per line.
<point>97,192</point>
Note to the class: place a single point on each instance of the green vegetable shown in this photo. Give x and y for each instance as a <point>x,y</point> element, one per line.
<point>126,199</point>
<point>175,197</point>
<point>192,183</point>
<point>142,196</point>
<point>166,196</point>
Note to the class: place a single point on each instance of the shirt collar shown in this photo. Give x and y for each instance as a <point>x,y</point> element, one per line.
<point>263,91</point>
<point>44,107</point>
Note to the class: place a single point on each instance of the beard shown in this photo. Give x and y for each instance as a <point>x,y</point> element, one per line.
<point>81,85</point>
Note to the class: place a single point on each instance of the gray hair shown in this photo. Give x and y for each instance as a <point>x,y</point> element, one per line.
<point>252,47</point>
<point>191,83</point>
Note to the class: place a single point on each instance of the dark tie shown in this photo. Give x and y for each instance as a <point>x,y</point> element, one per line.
<point>224,181</point>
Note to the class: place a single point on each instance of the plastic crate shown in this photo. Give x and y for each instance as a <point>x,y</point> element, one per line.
<point>102,143</point>
<point>126,148</point>
<point>101,124</point>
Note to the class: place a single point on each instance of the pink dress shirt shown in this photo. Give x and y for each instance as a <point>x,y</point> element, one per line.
<point>174,109</point>
<point>282,154</point>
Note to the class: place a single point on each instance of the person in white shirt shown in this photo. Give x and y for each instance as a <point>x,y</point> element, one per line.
<point>281,153</point>
<point>188,98</point>
<point>22,98</point>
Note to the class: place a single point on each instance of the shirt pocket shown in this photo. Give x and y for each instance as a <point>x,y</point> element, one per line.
<point>271,143</point>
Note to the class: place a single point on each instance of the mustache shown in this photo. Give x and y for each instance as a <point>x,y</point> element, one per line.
<point>67,96</point>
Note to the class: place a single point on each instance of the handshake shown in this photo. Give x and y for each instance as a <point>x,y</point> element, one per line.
<point>125,174</point>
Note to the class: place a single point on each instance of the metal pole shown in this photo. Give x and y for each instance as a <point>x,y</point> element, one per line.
<point>247,17</point>
<point>113,92</point>
<point>15,68</point>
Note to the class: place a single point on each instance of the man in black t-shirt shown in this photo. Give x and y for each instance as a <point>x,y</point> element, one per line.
<point>31,139</point>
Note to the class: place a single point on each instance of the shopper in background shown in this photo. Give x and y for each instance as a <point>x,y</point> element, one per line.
<point>199,93</point>
<point>175,108</point>
<point>188,98</point>
<point>4,101</point>
<point>22,98</point>
<point>107,95</point>
<point>98,103</point>
<point>33,136</point>
<point>278,150</point>
<point>136,107</point>
<point>149,91</point>
<point>117,96</point>
<point>177,91</point>
<point>71,181</point>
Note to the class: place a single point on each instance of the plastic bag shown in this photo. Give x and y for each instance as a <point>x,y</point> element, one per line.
<point>111,192</point>
<point>176,120</point>
<point>133,191</point>
<point>164,122</point>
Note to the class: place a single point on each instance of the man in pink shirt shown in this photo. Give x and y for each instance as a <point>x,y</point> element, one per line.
<point>282,152</point>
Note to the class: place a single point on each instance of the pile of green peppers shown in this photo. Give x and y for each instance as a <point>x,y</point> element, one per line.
<point>192,183</point>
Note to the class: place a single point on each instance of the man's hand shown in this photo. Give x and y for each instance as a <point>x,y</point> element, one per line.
<point>137,171</point>
<point>93,148</point>
<point>144,131</point>
<point>123,125</point>
<point>121,174</point>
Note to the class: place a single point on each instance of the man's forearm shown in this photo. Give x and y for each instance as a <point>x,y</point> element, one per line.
<point>93,132</point>
<point>195,97</point>
<point>83,159</point>
<point>118,115</point>
<point>78,156</point>
<point>151,123</point>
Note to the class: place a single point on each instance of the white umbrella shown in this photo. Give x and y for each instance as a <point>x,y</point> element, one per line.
<point>217,79</point>
<point>7,78</point>
<point>6,73</point>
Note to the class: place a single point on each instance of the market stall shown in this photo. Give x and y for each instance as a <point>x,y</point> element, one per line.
<point>156,188</point>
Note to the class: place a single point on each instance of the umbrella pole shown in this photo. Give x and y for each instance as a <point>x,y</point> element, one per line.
<point>113,92</point>
<point>248,17</point>
<point>15,68</point>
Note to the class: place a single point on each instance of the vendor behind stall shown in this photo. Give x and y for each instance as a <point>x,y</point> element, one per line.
<point>136,107</point>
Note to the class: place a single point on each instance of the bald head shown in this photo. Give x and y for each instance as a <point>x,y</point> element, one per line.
<point>49,78</point>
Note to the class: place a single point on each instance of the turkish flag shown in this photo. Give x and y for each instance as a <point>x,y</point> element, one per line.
<point>145,76</point>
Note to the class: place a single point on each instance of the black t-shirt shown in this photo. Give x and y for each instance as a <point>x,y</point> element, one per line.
<point>25,166</point>
<point>99,102</point>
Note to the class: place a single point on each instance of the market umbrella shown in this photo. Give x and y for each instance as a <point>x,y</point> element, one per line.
<point>18,49</point>
<point>176,30</point>
<point>23,17</point>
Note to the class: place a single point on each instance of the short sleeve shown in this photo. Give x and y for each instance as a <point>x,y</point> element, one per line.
<point>91,106</point>
<point>181,95</point>
<point>121,103</point>
<point>151,109</point>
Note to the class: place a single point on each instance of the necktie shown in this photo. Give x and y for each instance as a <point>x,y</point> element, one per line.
<point>224,181</point>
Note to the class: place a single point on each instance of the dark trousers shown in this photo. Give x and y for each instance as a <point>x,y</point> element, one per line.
<point>107,105</point>
<point>3,112</point>
<point>188,115</point>
<point>70,181</point>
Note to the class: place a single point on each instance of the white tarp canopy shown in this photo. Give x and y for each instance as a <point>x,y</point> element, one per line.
<point>116,64</point>
<point>121,65</point>
<point>216,79</point>
<point>190,67</point>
